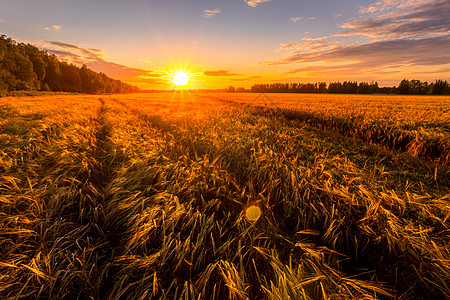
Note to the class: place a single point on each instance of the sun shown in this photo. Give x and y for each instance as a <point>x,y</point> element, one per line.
<point>180,78</point>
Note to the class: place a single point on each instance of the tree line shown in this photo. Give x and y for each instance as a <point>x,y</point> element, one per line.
<point>413,87</point>
<point>24,67</point>
<point>346,87</point>
<point>416,87</point>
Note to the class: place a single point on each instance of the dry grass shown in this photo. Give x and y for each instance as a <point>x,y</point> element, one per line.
<point>142,196</point>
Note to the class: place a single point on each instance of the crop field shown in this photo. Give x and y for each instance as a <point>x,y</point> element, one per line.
<point>147,196</point>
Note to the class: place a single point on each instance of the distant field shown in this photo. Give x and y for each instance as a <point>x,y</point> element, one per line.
<point>142,196</point>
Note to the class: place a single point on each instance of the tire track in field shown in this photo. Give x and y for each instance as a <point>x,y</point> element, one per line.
<point>68,250</point>
<point>86,209</point>
<point>91,182</point>
<point>107,161</point>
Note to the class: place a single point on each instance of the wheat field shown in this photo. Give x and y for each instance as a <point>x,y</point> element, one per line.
<point>143,196</point>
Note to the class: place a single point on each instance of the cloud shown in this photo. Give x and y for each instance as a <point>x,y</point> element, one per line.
<point>310,46</point>
<point>2,21</point>
<point>390,19</point>
<point>420,52</point>
<point>320,68</point>
<point>67,56</point>
<point>54,28</point>
<point>392,36</point>
<point>208,13</point>
<point>219,73</point>
<point>89,54</point>
<point>63,45</point>
<point>338,15</point>
<point>391,5</point>
<point>122,72</point>
<point>296,19</point>
<point>394,19</point>
<point>246,78</point>
<point>147,61</point>
<point>255,3</point>
<point>94,59</point>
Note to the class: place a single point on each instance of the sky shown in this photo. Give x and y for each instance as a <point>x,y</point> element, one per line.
<point>222,43</point>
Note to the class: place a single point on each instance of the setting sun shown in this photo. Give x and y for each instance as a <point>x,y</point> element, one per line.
<point>180,78</point>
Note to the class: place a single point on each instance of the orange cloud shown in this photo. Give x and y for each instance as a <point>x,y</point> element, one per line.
<point>431,51</point>
<point>219,73</point>
<point>208,13</point>
<point>54,28</point>
<point>388,19</point>
<point>255,3</point>
<point>296,19</point>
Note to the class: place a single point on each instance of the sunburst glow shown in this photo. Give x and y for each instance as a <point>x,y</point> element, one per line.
<point>180,78</point>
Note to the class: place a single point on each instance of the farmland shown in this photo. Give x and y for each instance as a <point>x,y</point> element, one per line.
<point>142,196</point>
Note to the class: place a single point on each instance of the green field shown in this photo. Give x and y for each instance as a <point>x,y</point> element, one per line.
<point>142,196</point>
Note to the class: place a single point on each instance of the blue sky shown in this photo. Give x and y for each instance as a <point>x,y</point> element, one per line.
<point>240,42</point>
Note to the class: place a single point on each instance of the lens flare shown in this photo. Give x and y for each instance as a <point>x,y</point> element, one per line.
<point>252,211</point>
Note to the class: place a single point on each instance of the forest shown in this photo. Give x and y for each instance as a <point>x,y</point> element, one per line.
<point>23,67</point>
<point>406,87</point>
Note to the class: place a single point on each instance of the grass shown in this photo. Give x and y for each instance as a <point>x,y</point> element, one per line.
<point>142,197</point>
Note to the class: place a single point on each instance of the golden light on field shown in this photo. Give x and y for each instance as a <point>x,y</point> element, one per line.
<point>252,211</point>
<point>180,78</point>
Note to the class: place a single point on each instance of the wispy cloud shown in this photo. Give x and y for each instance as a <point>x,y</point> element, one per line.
<point>306,47</point>
<point>208,13</point>
<point>246,78</point>
<point>296,19</point>
<point>219,73</point>
<point>94,59</point>
<point>2,21</point>
<point>430,51</point>
<point>147,61</point>
<point>383,6</point>
<point>255,3</point>
<point>54,28</point>
<point>393,35</point>
<point>63,45</point>
<point>85,53</point>
<point>388,19</point>
<point>338,15</point>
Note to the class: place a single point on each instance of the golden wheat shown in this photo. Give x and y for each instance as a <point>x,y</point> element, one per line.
<point>144,196</point>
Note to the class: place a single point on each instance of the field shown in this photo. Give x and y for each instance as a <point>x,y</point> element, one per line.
<point>143,196</point>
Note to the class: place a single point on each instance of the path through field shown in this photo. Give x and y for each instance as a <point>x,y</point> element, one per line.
<point>142,196</point>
